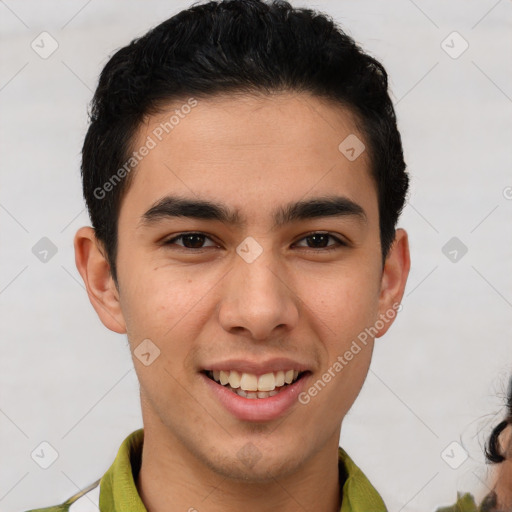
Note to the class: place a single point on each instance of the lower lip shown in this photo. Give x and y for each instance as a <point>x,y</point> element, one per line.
<point>257,409</point>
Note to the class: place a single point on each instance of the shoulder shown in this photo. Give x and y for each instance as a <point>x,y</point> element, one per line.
<point>86,500</point>
<point>358,494</point>
<point>57,508</point>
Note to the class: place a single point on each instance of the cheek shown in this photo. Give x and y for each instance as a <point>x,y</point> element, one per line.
<point>342,303</point>
<point>157,304</point>
<point>341,307</point>
<point>168,311</point>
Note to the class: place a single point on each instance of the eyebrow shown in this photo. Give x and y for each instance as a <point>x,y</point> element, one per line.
<point>176,206</point>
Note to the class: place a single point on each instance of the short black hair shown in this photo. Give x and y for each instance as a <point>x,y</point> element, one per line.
<point>242,46</point>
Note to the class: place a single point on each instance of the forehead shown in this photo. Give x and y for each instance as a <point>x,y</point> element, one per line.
<point>253,151</point>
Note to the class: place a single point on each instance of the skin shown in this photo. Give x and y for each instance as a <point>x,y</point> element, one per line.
<point>297,299</point>
<point>503,474</point>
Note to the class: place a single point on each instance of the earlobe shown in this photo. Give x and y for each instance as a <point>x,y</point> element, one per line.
<point>394,279</point>
<point>94,268</point>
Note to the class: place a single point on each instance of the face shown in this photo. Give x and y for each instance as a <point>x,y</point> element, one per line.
<point>503,473</point>
<point>249,253</point>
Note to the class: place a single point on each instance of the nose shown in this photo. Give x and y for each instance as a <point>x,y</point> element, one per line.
<point>258,299</point>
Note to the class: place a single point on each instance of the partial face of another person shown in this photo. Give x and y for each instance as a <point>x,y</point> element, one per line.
<point>252,280</point>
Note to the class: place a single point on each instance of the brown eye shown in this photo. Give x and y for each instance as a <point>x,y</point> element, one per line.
<point>189,240</point>
<point>321,241</point>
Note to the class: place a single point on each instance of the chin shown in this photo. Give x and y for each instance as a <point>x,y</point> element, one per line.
<point>250,465</point>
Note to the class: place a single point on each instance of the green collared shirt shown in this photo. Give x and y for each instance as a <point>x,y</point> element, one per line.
<point>116,490</point>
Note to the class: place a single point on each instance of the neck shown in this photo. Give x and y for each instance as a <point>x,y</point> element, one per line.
<point>171,475</point>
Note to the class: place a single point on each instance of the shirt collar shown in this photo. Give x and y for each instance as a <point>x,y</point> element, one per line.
<point>119,492</point>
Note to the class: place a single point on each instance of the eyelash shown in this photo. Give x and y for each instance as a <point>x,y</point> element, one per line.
<point>339,242</point>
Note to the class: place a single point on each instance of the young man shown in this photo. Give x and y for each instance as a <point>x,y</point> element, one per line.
<point>244,175</point>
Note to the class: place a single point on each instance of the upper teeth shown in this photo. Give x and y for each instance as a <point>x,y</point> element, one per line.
<point>251,382</point>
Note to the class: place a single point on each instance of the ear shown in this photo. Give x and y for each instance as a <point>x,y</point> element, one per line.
<point>394,278</point>
<point>94,268</point>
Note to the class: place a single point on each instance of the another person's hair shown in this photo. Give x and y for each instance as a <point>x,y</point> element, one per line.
<point>493,449</point>
<point>495,455</point>
<point>237,46</point>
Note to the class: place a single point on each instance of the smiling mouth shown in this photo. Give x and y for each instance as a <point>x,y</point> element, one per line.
<point>252,386</point>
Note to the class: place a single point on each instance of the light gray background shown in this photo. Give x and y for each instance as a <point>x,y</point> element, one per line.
<point>438,376</point>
